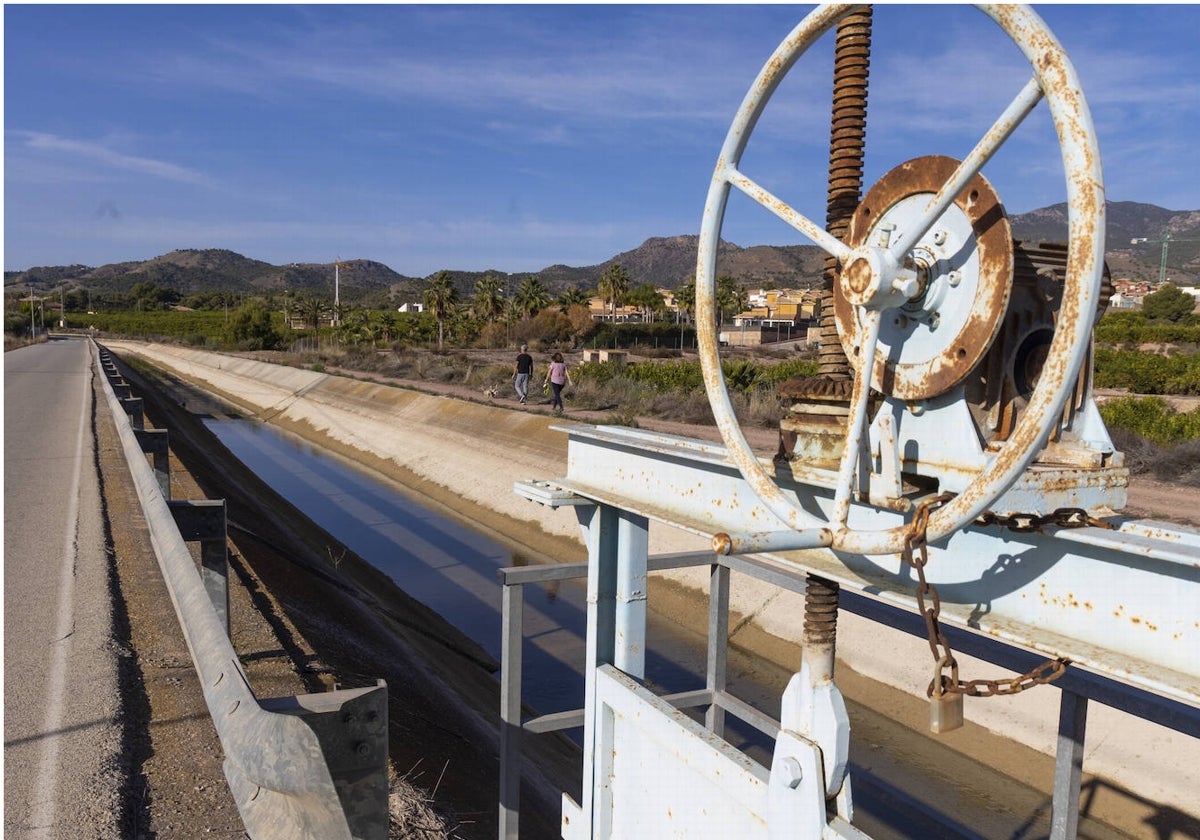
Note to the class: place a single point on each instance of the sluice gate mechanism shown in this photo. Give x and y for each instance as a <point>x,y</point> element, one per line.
<point>947,464</point>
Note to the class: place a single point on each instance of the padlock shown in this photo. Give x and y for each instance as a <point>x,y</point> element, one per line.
<point>945,712</point>
<point>945,707</point>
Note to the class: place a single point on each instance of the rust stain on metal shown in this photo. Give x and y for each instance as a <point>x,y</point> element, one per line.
<point>961,352</point>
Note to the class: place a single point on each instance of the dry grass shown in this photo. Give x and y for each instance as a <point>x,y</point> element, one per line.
<point>411,815</point>
<point>1178,464</point>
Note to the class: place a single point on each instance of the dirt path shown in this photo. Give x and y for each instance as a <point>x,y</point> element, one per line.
<point>1147,498</point>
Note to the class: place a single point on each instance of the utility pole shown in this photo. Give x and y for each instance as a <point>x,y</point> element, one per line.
<point>1166,241</point>
<point>337,264</point>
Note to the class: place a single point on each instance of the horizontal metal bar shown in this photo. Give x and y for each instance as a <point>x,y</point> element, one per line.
<point>522,575</point>
<point>1119,602</point>
<point>690,699</point>
<point>743,711</point>
<point>554,722</point>
<point>1136,701</point>
<point>546,493</point>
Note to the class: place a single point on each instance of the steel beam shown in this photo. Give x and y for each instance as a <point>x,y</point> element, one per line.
<point>1118,600</point>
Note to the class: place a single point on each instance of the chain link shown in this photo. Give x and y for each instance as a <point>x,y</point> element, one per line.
<point>916,554</point>
<point>1029,522</point>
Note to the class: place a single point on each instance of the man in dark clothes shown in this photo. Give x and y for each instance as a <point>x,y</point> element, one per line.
<point>521,373</point>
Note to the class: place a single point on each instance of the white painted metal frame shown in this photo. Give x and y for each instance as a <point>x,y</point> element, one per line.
<point>1054,78</point>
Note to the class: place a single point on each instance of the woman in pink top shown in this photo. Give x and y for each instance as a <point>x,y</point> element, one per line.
<point>557,377</point>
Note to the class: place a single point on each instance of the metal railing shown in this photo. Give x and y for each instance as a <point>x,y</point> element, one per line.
<point>1077,686</point>
<point>305,766</point>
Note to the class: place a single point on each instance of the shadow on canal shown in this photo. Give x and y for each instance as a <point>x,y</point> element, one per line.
<point>448,567</point>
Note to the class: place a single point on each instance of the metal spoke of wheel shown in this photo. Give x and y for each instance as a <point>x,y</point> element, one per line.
<point>847,469</point>
<point>988,145</point>
<point>814,232</point>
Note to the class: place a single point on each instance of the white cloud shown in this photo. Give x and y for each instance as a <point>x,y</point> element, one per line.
<point>67,150</point>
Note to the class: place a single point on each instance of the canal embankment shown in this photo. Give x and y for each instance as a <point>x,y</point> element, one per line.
<point>464,457</point>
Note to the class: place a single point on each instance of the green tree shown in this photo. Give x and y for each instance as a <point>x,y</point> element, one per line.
<point>614,286</point>
<point>574,296</point>
<point>251,327</point>
<point>731,299</point>
<point>488,302</point>
<point>532,296</point>
<point>647,299</point>
<point>311,310</point>
<point>382,325</point>
<point>1170,303</point>
<point>685,298</point>
<point>353,324</point>
<point>147,295</point>
<point>440,297</point>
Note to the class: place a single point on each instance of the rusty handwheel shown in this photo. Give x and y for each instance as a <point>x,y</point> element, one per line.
<point>888,273</point>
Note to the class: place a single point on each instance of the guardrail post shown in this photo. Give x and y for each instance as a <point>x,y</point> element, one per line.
<point>718,644</point>
<point>1068,766</point>
<point>351,726</point>
<point>134,407</point>
<point>154,443</point>
<point>203,521</point>
<point>510,710</point>
<point>123,390</point>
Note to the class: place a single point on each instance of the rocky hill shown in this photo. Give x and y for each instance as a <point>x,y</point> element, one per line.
<point>663,261</point>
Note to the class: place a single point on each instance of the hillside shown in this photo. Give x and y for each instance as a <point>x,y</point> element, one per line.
<point>196,271</point>
<point>664,261</point>
<point>1126,221</point>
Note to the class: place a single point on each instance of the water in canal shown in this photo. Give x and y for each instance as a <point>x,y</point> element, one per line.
<point>449,568</point>
<point>899,791</point>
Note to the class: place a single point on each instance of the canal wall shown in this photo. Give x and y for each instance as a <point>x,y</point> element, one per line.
<point>466,456</point>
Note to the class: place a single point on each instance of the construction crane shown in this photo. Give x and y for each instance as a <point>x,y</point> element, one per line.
<point>1166,241</point>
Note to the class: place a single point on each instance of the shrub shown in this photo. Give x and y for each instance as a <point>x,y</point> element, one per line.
<point>1180,464</point>
<point>1147,373</point>
<point>1153,419</point>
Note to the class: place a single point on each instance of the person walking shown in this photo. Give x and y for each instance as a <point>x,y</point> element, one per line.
<point>521,373</point>
<point>558,377</point>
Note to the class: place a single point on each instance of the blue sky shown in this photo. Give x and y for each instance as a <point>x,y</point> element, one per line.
<point>517,137</point>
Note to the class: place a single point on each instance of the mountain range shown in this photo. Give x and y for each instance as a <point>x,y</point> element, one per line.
<point>664,261</point>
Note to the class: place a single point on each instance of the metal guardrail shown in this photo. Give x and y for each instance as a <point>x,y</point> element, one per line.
<point>1078,686</point>
<point>306,766</point>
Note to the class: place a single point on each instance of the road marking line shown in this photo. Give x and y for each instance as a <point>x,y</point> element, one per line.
<point>46,788</point>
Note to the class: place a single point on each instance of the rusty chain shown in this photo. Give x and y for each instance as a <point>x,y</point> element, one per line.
<point>1028,522</point>
<point>916,554</point>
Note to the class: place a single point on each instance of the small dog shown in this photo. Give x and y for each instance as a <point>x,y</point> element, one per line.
<point>491,391</point>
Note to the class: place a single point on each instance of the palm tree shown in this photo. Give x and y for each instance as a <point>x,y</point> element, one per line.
<point>440,297</point>
<point>685,298</point>
<point>532,296</point>
<point>488,302</point>
<point>380,325</point>
<point>352,323</point>
<point>614,286</point>
<point>731,298</point>
<point>574,296</point>
<point>647,299</point>
<point>311,310</point>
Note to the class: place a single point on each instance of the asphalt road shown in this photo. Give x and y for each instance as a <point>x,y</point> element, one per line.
<point>63,765</point>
